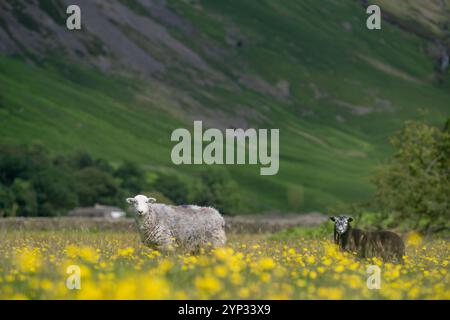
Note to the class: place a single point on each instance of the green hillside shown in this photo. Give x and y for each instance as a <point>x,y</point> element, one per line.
<point>335,90</point>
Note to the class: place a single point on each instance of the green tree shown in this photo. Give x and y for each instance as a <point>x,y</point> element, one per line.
<point>132,178</point>
<point>95,186</point>
<point>415,183</point>
<point>81,160</point>
<point>219,190</point>
<point>55,191</point>
<point>21,162</point>
<point>33,184</point>
<point>7,204</point>
<point>173,187</point>
<point>25,197</point>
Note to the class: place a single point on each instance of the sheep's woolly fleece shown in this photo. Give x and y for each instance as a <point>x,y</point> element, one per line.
<point>187,227</point>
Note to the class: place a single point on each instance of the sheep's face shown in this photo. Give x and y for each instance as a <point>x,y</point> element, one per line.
<point>341,223</point>
<point>141,204</point>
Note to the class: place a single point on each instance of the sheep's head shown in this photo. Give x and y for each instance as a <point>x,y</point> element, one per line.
<point>341,223</point>
<point>140,204</point>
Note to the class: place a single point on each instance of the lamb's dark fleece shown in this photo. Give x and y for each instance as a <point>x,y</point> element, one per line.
<point>383,244</point>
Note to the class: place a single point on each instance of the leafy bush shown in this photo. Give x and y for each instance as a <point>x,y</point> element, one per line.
<point>413,187</point>
<point>173,187</point>
<point>25,197</point>
<point>161,198</point>
<point>209,187</point>
<point>131,177</point>
<point>33,184</point>
<point>94,185</point>
<point>415,184</point>
<point>217,188</point>
<point>7,204</point>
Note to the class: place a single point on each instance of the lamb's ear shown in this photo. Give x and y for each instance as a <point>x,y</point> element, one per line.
<point>151,200</point>
<point>332,219</point>
<point>130,200</point>
<point>350,219</point>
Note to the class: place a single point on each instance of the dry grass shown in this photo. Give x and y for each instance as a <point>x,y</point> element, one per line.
<point>234,224</point>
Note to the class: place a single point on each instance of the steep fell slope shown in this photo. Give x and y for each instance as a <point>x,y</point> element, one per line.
<point>140,69</point>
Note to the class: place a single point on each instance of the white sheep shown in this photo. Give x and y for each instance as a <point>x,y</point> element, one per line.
<point>187,227</point>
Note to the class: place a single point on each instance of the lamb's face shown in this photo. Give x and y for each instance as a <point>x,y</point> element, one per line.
<point>341,223</point>
<point>141,204</point>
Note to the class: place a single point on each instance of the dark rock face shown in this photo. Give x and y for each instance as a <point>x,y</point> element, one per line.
<point>112,33</point>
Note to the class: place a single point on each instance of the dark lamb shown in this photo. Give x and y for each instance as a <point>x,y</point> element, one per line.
<point>382,244</point>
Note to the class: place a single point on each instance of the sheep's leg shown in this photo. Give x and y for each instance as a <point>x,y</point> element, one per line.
<point>162,239</point>
<point>398,254</point>
<point>166,244</point>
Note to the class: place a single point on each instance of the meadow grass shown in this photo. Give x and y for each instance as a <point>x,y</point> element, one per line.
<point>114,265</point>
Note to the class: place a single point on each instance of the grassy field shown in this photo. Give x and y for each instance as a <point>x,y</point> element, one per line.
<point>349,89</point>
<point>114,265</point>
<point>335,90</point>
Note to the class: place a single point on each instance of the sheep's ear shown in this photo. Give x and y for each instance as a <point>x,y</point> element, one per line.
<point>332,219</point>
<point>151,200</point>
<point>130,200</point>
<point>350,219</point>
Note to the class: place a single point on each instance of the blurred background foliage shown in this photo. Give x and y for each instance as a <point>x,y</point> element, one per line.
<point>32,183</point>
<point>140,69</point>
<point>412,187</point>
